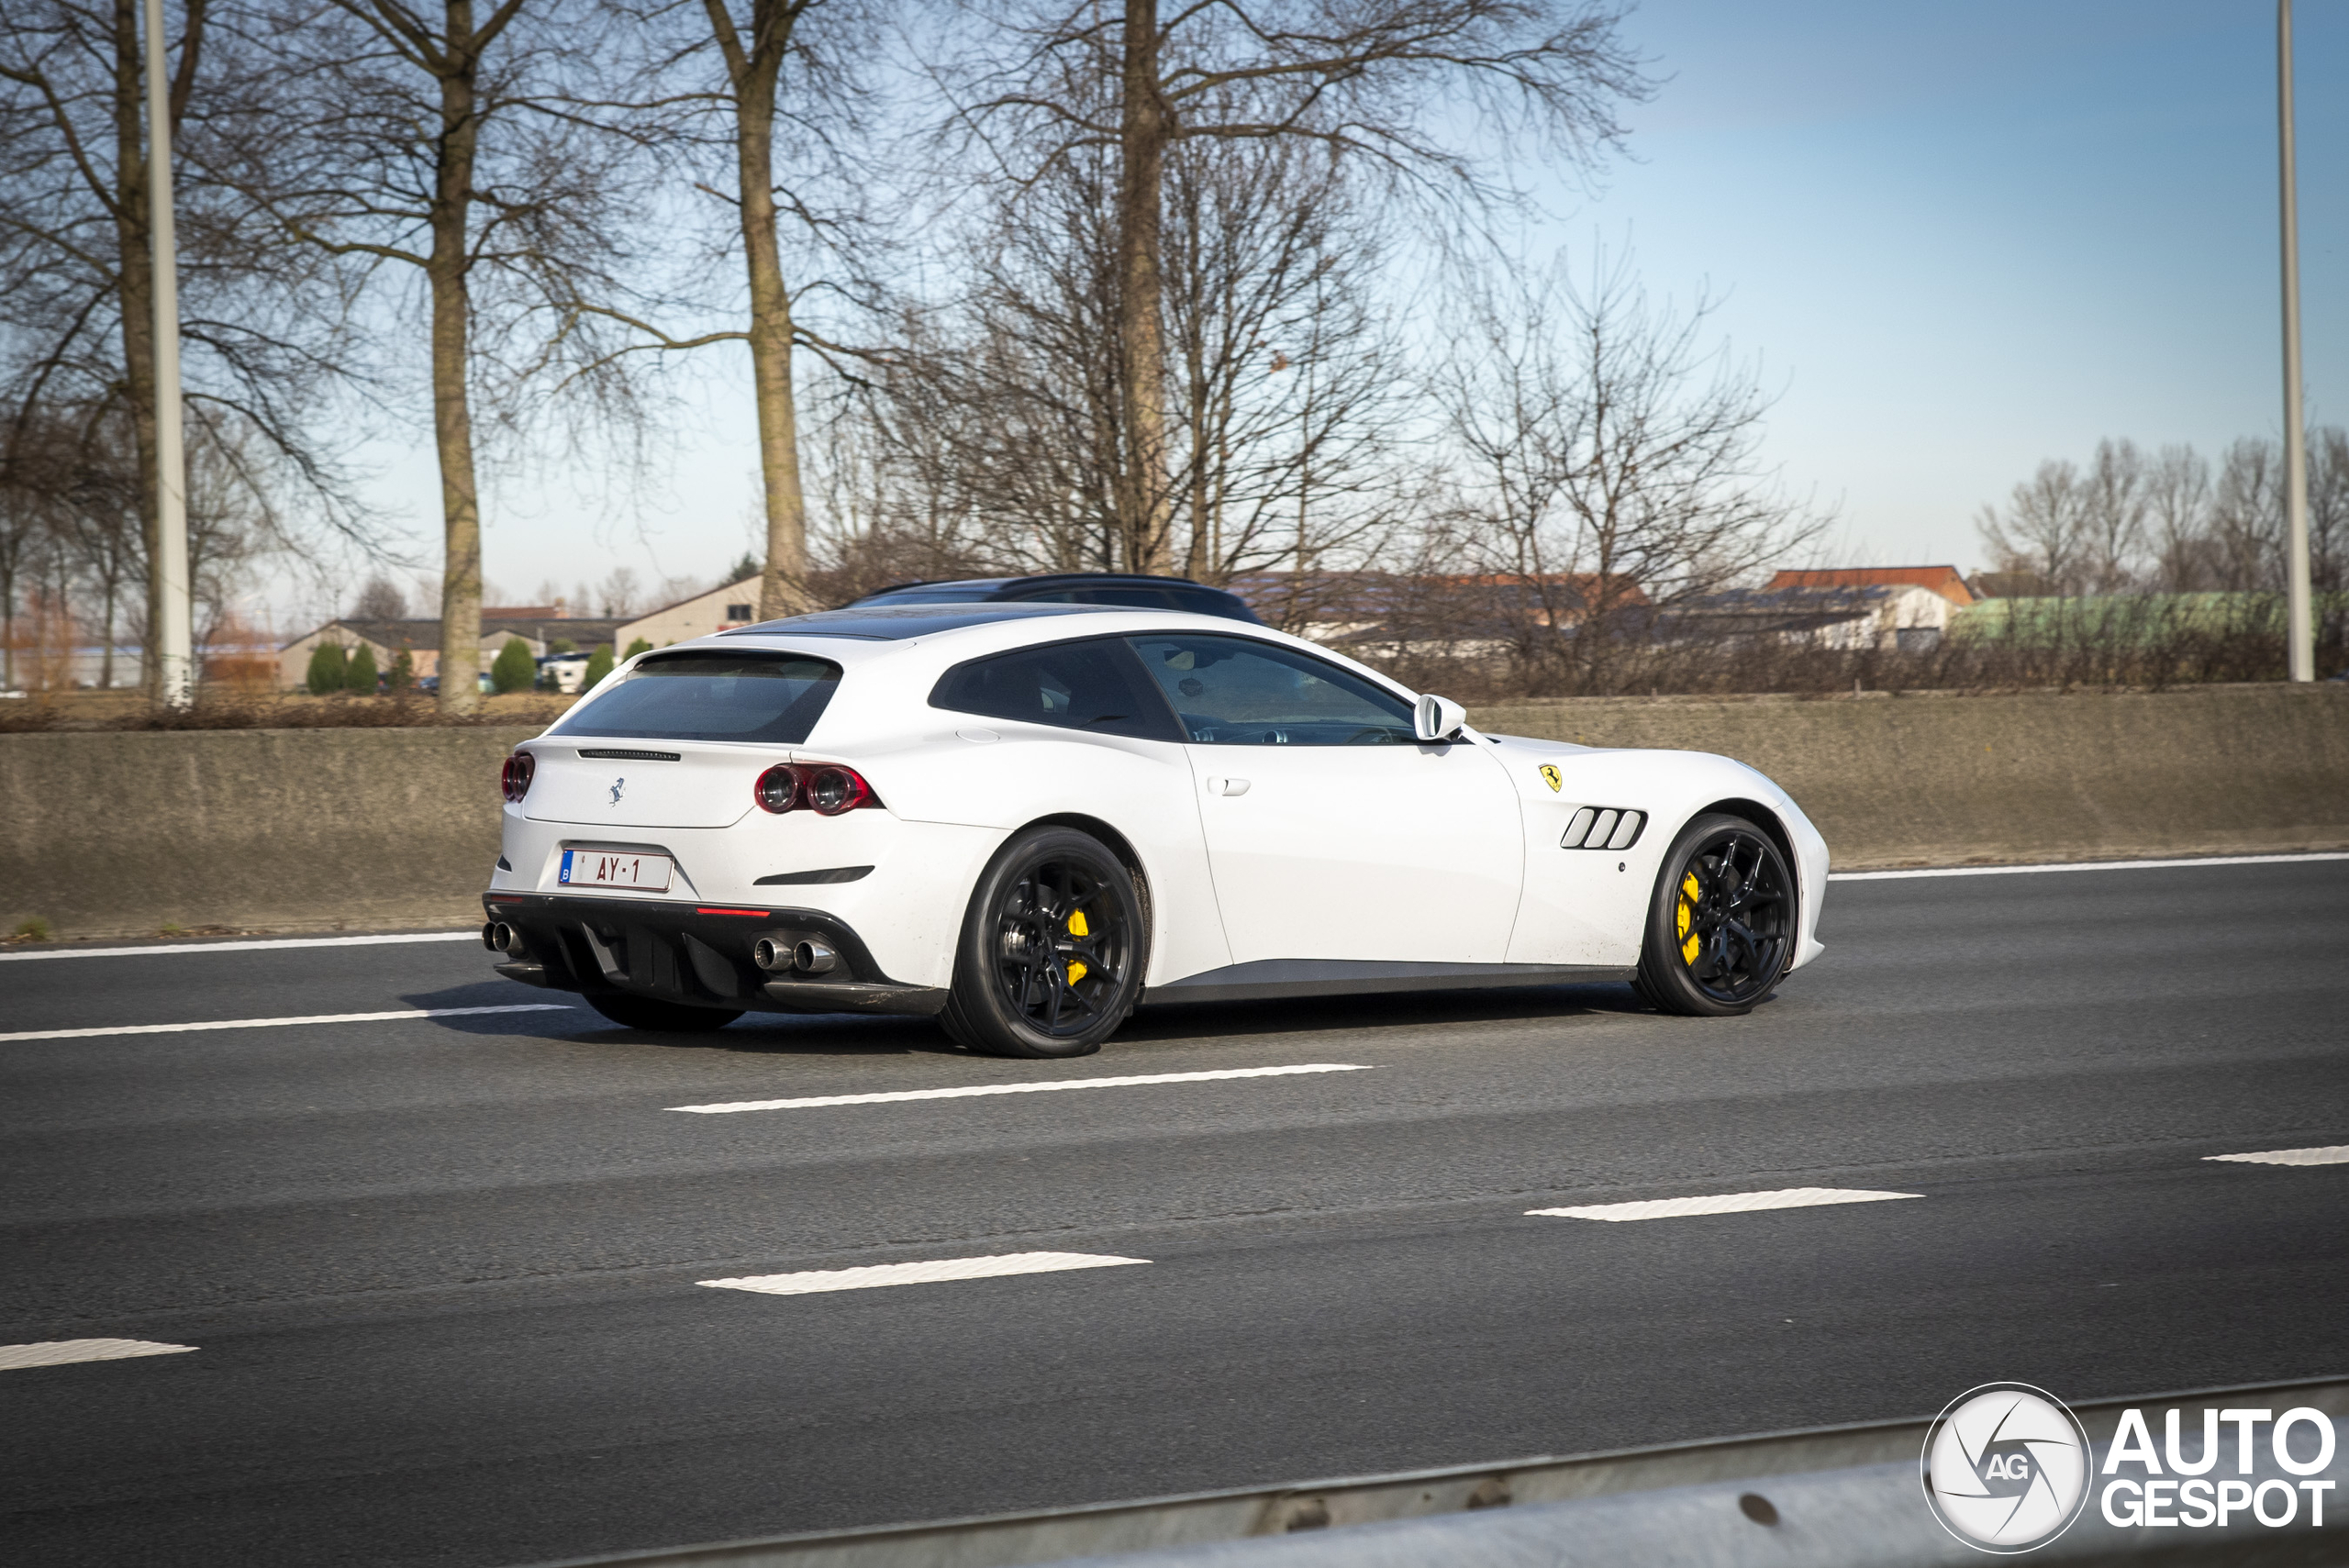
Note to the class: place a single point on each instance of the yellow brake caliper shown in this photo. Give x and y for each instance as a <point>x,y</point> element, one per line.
<point>1077,928</point>
<point>1684,919</point>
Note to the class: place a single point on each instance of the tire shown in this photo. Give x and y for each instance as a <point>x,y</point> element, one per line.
<point>1054,946</point>
<point>1721,927</point>
<point>662,1018</point>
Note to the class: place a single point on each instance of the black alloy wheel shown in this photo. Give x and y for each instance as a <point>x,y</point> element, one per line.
<point>1722,921</point>
<point>1052,949</point>
<point>652,1014</point>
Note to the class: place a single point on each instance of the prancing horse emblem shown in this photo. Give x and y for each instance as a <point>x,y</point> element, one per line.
<point>1549,776</point>
<point>619,783</point>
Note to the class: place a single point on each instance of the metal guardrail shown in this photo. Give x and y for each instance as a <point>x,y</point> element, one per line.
<point>1829,1498</point>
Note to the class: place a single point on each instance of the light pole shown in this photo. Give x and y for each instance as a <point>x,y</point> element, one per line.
<point>173,631</point>
<point>2299,623</point>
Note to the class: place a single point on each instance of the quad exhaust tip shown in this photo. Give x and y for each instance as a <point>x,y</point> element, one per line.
<point>808,957</point>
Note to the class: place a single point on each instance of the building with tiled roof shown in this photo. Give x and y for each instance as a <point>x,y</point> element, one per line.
<point>1946,581</point>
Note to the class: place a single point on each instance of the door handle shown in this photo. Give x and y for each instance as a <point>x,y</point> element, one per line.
<point>1226,787</point>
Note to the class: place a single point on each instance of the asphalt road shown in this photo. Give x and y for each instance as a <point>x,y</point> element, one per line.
<point>440,1272</point>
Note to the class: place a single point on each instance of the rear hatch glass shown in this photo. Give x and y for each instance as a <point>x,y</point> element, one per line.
<point>768,698</point>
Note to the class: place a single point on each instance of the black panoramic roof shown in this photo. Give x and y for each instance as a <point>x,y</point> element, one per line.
<point>895,623</point>
<point>1129,590</point>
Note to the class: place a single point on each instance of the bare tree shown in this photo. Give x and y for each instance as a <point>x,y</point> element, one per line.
<point>379,599</point>
<point>1000,427</point>
<point>97,524</point>
<point>1608,460</point>
<point>621,593</point>
<point>2114,504</point>
<point>2040,529</point>
<point>1386,82</point>
<point>1292,379</point>
<point>2329,510</point>
<point>2247,516</point>
<point>76,286</point>
<point>769,88</point>
<point>2131,518</point>
<point>29,488</point>
<point>2178,496</point>
<point>436,147</point>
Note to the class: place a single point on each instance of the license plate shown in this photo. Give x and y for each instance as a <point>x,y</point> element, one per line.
<point>598,868</point>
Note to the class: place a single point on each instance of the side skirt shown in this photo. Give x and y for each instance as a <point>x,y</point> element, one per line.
<point>1266,978</point>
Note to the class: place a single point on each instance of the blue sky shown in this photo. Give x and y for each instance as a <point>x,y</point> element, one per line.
<point>1958,237</point>
<point>1963,237</point>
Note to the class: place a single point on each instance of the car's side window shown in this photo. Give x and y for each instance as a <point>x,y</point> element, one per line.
<point>1091,686</point>
<point>1235,691</point>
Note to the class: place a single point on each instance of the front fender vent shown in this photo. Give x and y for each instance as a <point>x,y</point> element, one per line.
<point>1604,827</point>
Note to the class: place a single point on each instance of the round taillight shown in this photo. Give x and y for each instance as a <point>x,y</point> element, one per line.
<point>514,780</point>
<point>778,788</point>
<point>834,790</point>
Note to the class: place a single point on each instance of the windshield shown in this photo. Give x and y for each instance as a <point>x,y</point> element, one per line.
<point>750,695</point>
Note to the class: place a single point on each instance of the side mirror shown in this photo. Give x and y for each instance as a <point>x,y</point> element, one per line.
<point>1437,718</point>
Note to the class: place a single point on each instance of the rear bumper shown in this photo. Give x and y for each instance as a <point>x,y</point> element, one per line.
<point>697,955</point>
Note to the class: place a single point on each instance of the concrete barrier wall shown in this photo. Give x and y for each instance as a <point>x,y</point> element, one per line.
<point>1941,780</point>
<point>124,833</point>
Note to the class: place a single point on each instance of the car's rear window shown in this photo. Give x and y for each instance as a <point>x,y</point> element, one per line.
<point>750,695</point>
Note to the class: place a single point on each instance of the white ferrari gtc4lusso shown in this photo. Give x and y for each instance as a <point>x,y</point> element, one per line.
<point>1025,819</point>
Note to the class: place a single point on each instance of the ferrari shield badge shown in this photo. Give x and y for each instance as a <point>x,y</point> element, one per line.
<point>1550,777</point>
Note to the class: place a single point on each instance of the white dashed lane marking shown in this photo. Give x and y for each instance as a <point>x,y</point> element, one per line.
<point>473,935</point>
<point>1726,1203</point>
<point>2088,866</point>
<point>2330,1154</point>
<point>972,1091</point>
<point>64,1353</point>
<point>874,1275</point>
<point>284,1023</point>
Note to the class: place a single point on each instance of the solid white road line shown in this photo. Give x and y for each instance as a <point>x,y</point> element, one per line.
<point>474,935</point>
<point>877,1274</point>
<point>971,1091</point>
<point>2330,1154</point>
<point>61,1352</point>
<point>2088,866</point>
<point>1727,1203</point>
<point>282,1023</point>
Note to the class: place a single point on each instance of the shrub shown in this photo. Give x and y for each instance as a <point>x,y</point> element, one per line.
<point>360,676</point>
<point>329,671</point>
<point>638,646</point>
<point>599,664</point>
<point>34,929</point>
<point>403,673</point>
<point>514,669</point>
<point>562,645</point>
